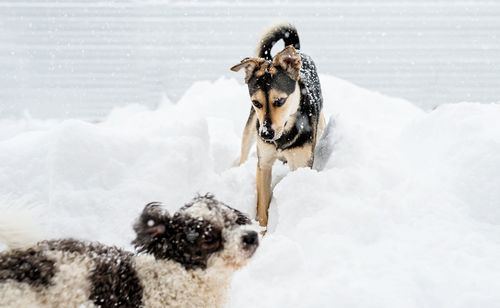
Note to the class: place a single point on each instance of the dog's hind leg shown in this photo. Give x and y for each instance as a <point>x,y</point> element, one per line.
<point>248,138</point>
<point>325,145</point>
<point>321,126</point>
<point>300,157</point>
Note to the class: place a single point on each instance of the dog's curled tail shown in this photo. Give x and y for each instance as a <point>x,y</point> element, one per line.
<point>285,32</point>
<point>18,229</point>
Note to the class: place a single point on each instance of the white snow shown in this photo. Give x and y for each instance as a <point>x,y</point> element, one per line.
<point>406,212</point>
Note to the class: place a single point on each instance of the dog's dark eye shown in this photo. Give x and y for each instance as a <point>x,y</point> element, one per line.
<point>209,239</point>
<point>279,102</point>
<point>257,104</point>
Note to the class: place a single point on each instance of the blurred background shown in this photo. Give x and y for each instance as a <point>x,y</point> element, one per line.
<point>82,58</point>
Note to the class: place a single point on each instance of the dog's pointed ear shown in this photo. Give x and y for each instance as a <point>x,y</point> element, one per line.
<point>289,61</point>
<point>151,225</point>
<point>249,64</point>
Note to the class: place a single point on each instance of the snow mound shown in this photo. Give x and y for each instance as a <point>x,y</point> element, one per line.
<point>405,213</point>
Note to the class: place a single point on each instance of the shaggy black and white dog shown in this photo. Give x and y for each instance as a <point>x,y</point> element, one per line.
<point>184,260</point>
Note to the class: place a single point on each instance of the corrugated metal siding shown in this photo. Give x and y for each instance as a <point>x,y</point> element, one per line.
<point>80,58</point>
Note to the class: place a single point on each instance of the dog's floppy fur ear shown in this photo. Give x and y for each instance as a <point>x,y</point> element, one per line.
<point>289,61</point>
<point>249,64</point>
<point>152,224</point>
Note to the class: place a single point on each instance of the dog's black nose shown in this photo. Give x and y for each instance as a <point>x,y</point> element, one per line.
<point>267,134</point>
<point>251,238</point>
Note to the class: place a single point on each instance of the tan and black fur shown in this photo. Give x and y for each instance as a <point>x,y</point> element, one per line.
<point>286,116</point>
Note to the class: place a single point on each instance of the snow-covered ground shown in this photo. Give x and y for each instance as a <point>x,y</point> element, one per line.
<point>405,214</point>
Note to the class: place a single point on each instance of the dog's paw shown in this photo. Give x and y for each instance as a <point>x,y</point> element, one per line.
<point>238,162</point>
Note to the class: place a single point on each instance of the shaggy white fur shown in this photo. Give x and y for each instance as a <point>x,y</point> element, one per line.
<point>70,273</point>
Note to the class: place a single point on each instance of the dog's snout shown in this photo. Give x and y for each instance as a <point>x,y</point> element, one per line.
<point>267,135</point>
<point>251,238</point>
<point>267,132</point>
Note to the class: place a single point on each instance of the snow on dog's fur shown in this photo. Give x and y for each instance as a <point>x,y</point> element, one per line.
<point>184,260</point>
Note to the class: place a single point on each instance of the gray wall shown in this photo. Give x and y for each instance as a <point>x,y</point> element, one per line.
<point>80,58</point>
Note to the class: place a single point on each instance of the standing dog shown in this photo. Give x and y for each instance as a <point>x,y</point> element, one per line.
<point>287,109</point>
<point>183,260</point>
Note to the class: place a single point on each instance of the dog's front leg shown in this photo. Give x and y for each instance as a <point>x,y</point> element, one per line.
<point>267,155</point>
<point>264,193</point>
<point>248,137</point>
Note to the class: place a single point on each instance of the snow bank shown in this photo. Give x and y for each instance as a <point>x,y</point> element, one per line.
<point>406,212</point>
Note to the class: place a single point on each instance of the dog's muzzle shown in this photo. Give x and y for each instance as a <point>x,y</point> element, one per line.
<point>267,134</point>
<point>266,131</point>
